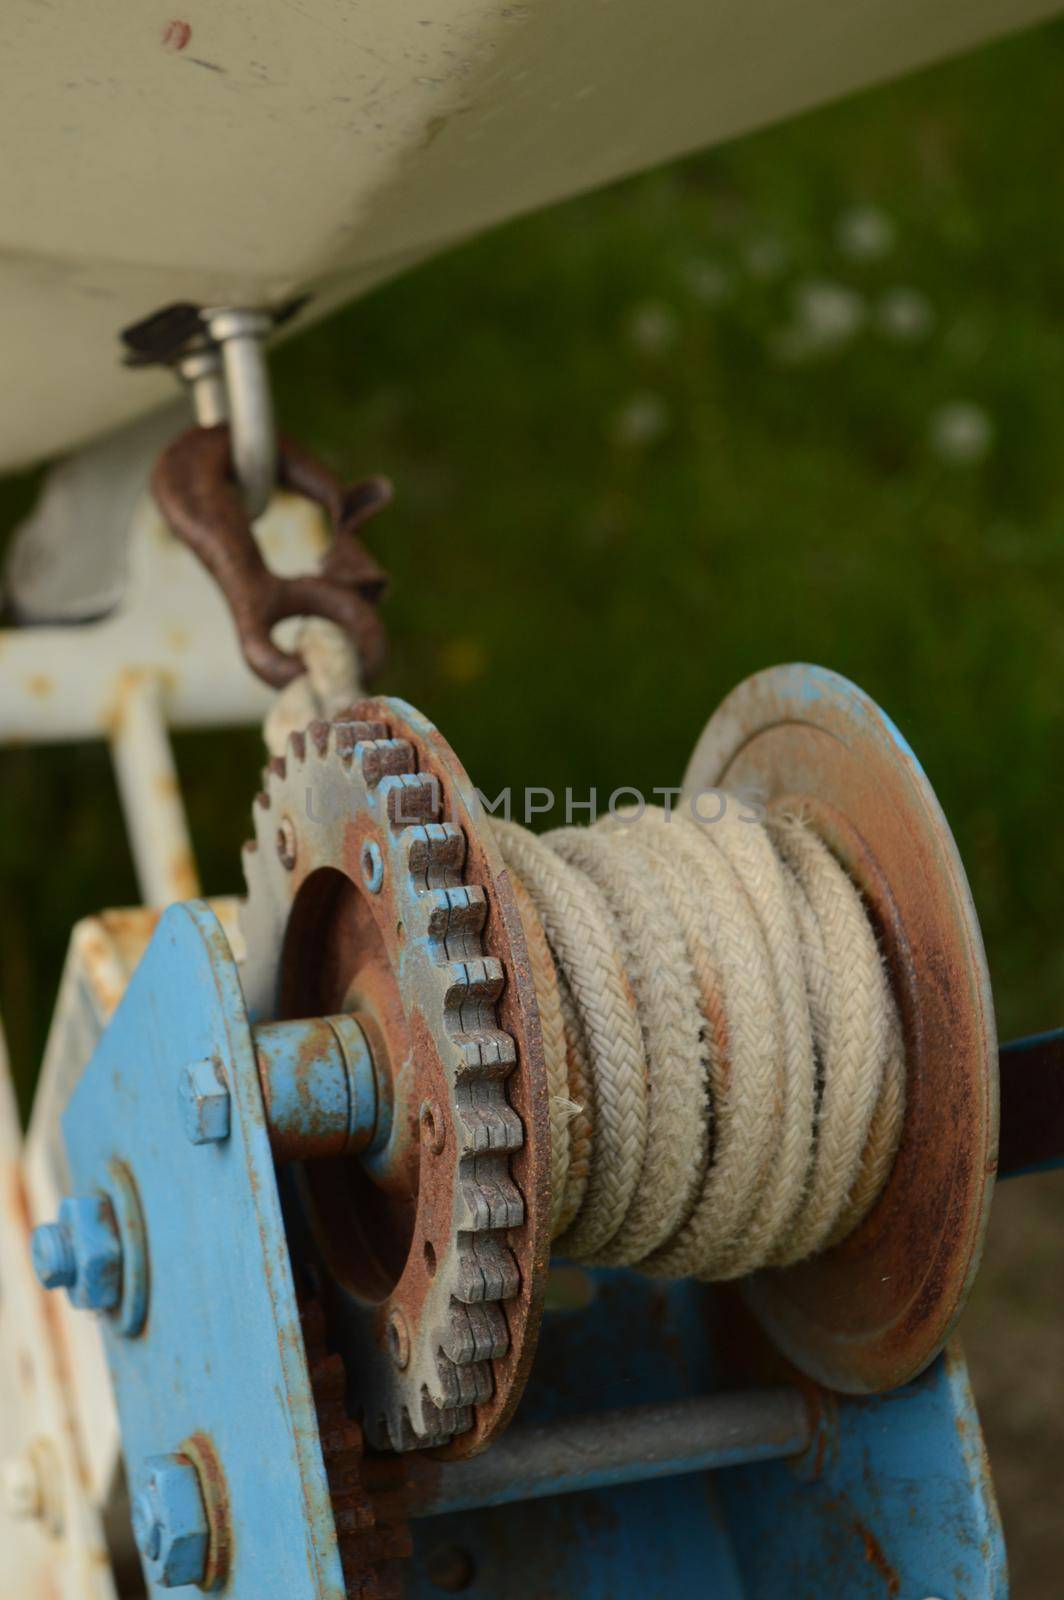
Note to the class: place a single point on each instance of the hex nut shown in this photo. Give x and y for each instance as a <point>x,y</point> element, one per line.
<point>204,1100</point>
<point>170,1522</point>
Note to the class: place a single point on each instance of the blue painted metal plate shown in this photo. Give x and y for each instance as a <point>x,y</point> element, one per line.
<point>221,1353</point>
<point>898,1501</point>
<point>893,1500</point>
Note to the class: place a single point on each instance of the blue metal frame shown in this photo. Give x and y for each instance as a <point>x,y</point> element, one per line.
<point>221,1352</point>
<point>892,1499</point>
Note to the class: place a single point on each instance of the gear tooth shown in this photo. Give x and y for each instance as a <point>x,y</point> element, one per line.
<point>491,1199</point>
<point>441,1423</point>
<point>370,1532</point>
<point>476,1333</point>
<point>345,1450</point>
<point>398,1432</point>
<point>328,1379</point>
<point>412,798</point>
<point>297,746</point>
<point>480,978</point>
<point>318,734</point>
<point>471,990</point>
<point>262,800</point>
<point>462,1384</point>
<point>350,731</point>
<point>487,1270</point>
<point>381,758</point>
<point>436,853</point>
<point>486,1053</point>
<point>455,919</point>
<point>492,1127</point>
<point>353,1514</point>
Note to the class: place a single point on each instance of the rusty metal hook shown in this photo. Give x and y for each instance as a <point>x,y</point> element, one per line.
<point>195,489</point>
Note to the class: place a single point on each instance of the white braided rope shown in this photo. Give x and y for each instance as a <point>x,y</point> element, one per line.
<point>331,683</point>
<point>728,1034</point>
<point>586,944</point>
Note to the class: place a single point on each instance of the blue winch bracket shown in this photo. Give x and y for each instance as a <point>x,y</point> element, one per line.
<point>217,1372</point>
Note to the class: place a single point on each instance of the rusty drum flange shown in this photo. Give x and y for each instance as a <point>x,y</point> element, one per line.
<point>375,888</point>
<point>873,1311</point>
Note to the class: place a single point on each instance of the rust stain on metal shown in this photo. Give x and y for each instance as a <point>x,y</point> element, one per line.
<point>201,1452</point>
<point>184,879</point>
<point>19,1204</point>
<point>315,1134</point>
<point>176,35</point>
<point>876,1558</point>
<point>194,486</point>
<point>131,929</point>
<point>873,1311</point>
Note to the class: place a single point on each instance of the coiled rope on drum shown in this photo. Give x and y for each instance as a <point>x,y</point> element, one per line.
<point>723,1049</point>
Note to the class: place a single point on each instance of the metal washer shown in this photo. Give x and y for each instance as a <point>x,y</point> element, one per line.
<point>873,1311</point>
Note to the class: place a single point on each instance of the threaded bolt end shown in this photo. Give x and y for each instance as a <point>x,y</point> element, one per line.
<point>52,1251</point>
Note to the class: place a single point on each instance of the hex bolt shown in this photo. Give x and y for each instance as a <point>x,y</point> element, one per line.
<point>241,332</point>
<point>170,1521</point>
<point>204,1099</point>
<point>81,1252</point>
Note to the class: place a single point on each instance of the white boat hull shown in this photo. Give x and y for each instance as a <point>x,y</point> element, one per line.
<point>249,150</point>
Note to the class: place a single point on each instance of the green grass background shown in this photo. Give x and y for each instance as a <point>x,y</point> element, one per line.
<point>570,602</point>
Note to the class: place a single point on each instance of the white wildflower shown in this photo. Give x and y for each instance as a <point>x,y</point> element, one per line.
<point>707,281</point>
<point>864,233</point>
<point>652,328</point>
<point>766,257</point>
<point>641,420</point>
<point>962,433</point>
<point>824,317</point>
<point>905,315</point>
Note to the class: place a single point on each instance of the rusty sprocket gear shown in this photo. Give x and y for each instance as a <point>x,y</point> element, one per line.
<point>375,887</point>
